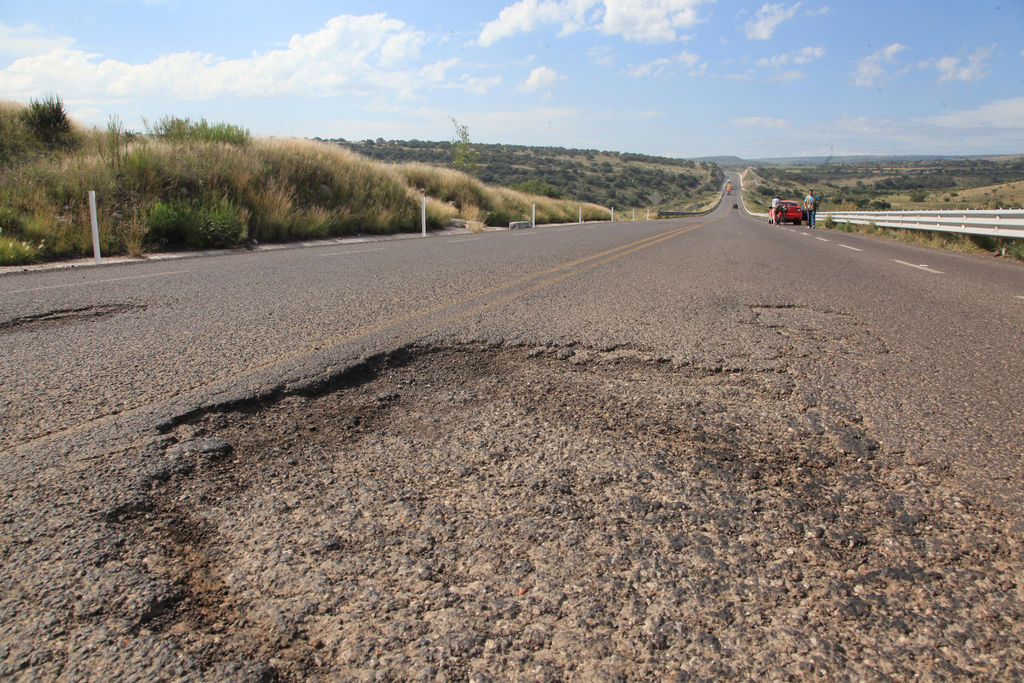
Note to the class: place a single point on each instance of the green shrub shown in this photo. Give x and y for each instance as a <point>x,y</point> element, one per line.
<point>48,121</point>
<point>502,216</point>
<point>223,226</point>
<point>14,252</point>
<point>538,187</point>
<point>1015,249</point>
<point>10,222</point>
<point>177,129</point>
<point>179,223</point>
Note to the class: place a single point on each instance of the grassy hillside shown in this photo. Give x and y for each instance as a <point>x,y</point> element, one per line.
<point>993,183</point>
<point>625,181</point>
<point>990,183</point>
<point>187,184</point>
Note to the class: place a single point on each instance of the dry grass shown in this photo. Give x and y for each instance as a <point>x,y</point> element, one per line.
<point>277,190</point>
<point>966,244</point>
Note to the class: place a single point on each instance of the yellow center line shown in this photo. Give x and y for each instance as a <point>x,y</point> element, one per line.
<point>541,279</point>
<point>572,266</point>
<point>558,278</point>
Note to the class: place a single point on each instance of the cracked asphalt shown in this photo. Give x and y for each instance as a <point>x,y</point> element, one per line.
<point>701,449</point>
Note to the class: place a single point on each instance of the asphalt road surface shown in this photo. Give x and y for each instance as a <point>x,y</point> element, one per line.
<point>704,447</point>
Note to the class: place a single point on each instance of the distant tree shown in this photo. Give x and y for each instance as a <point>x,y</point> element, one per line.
<point>465,155</point>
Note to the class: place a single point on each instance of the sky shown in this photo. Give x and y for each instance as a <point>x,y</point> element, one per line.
<point>684,78</point>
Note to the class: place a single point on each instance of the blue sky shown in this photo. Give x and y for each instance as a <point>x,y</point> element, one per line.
<point>667,77</point>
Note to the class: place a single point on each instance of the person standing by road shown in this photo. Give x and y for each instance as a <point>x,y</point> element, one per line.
<point>773,214</point>
<point>811,206</point>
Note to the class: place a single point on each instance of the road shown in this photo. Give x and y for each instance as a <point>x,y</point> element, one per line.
<point>787,342</point>
<point>85,345</point>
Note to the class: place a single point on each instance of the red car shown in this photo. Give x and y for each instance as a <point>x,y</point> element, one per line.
<point>789,211</point>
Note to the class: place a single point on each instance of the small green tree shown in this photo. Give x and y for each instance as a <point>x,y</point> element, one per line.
<point>48,121</point>
<point>465,156</point>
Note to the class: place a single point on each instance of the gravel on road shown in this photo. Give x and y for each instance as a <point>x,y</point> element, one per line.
<point>496,511</point>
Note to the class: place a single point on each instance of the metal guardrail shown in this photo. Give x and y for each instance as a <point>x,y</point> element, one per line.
<point>1007,223</point>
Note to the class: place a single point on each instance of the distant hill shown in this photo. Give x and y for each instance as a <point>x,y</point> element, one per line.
<point>895,182</point>
<point>605,178</point>
<point>733,162</point>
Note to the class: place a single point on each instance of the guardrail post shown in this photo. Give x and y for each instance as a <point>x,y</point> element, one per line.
<point>95,225</point>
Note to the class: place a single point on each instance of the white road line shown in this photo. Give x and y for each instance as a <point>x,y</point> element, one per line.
<point>922,266</point>
<point>98,282</point>
<point>806,234</point>
<point>846,246</point>
<point>463,239</point>
<point>346,253</point>
<point>822,239</point>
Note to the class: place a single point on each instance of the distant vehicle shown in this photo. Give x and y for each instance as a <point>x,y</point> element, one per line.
<point>789,211</point>
<point>728,188</point>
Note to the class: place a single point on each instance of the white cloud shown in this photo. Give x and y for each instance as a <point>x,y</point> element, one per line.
<point>479,86</point>
<point>955,69</point>
<point>873,70</point>
<point>30,40</point>
<point>808,54</point>
<point>539,78</point>
<point>790,76</point>
<point>779,62</point>
<point>648,21</point>
<point>527,15</point>
<point>601,55</point>
<point>758,123</point>
<point>862,124</point>
<point>802,56</point>
<point>658,66</point>
<point>763,24</point>
<point>350,54</point>
<point>999,114</point>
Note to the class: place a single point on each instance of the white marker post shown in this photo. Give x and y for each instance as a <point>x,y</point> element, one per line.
<point>533,218</point>
<point>423,215</point>
<point>581,214</point>
<point>613,214</point>
<point>95,226</point>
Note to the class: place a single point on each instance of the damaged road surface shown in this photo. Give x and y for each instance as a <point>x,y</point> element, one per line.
<point>527,509</point>
<point>481,513</point>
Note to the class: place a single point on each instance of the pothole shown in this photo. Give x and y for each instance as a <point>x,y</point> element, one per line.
<point>827,330</point>
<point>63,317</point>
<point>482,513</point>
